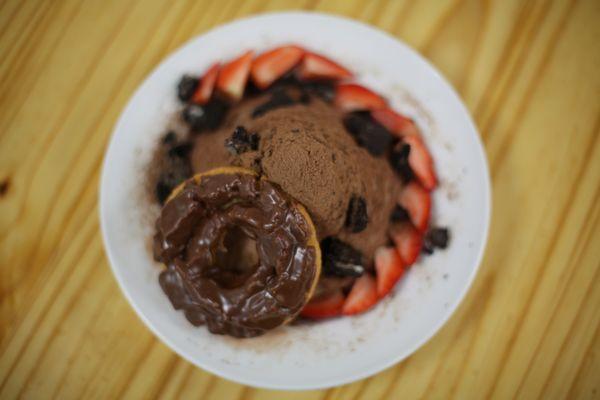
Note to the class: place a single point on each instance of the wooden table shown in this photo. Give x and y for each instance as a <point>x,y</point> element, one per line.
<point>528,71</point>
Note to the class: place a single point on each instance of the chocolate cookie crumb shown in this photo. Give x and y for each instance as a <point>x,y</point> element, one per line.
<point>280,98</point>
<point>175,171</point>
<point>181,150</point>
<point>186,87</point>
<point>324,90</point>
<point>399,214</point>
<point>169,138</point>
<point>289,79</point>
<point>368,133</point>
<point>427,247</point>
<point>340,258</point>
<point>439,237</point>
<point>206,117</point>
<point>162,192</point>
<point>175,167</point>
<point>435,238</point>
<point>257,166</point>
<point>356,216</point>
<point>399,161</point>
<point>304,97</point>
<point>251,89</point>
<point>242,141</point>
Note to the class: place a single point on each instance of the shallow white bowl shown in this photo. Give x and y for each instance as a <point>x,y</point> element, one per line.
<point>339,351</point>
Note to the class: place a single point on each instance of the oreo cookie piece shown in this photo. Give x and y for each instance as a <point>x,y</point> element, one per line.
<point>356,215</point>
<point>242,141</point>
<point>279,98</point>
<point>399,161</point>
<point>162,192</point>
<point>174,164</point>
<point>175,171</point>
<point>427,248</point>
<point>186,87</point>
<point>439,237</point>
<point>287,80</point>
<point>399,214</point>
<point>205,117</point>
<point>181,150</point>
<point>435,238</point>
<point>304,97</point>
<point>323,89</point>
<point>341,259</point>
<point>368,133</point>
<point>169,138</point>
<point>251,89</point>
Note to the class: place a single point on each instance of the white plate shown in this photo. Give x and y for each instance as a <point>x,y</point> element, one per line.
<point>339,351</point>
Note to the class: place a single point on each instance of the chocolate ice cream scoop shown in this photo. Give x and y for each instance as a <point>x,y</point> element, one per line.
<point>305,149</point>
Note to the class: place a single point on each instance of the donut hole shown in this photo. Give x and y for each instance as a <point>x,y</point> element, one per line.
<point>236,258</point>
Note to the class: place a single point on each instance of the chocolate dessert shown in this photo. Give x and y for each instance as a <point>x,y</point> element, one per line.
<point>360,170</point>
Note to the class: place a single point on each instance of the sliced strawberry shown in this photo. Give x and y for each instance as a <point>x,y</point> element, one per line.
<point>396,123</point>
<point>362,296</point>
<point>270,66</point>
<point>352,97</point>
<point>389,267</point>
<point>234,75</point>
<point>408,242</point>
<point>315,66</point>
<point>420,161</point>
<point>206,86</point>
<point>417,201</point>
<point>324,307</point>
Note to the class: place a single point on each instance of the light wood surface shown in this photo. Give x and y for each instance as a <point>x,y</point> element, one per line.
<point>529,72</point>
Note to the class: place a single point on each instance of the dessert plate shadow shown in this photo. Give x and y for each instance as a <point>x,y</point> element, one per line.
<point>338,351</point>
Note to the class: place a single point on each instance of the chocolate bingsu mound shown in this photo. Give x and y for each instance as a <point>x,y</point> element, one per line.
<point>287,191</point>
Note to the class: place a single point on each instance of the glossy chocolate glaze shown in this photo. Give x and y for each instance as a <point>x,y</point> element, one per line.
<point>190,239</point>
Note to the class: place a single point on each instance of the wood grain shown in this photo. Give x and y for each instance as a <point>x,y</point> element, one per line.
<point>529,73</point>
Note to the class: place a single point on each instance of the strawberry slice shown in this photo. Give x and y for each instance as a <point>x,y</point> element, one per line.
<point>417,201</point>
<point>206,86</point>
<point>234,75</point>
<point>389,267</point>
<point>324,307</point>
<point>420,161</point>
<point>352,97</point>
<point>362,296</point>
<point>270,66</point>
<point>408,242</point>
<point>315,67</point>
<point>396,123</point>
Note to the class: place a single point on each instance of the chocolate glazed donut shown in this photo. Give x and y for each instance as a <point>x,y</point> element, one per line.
<point>242,256</point>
